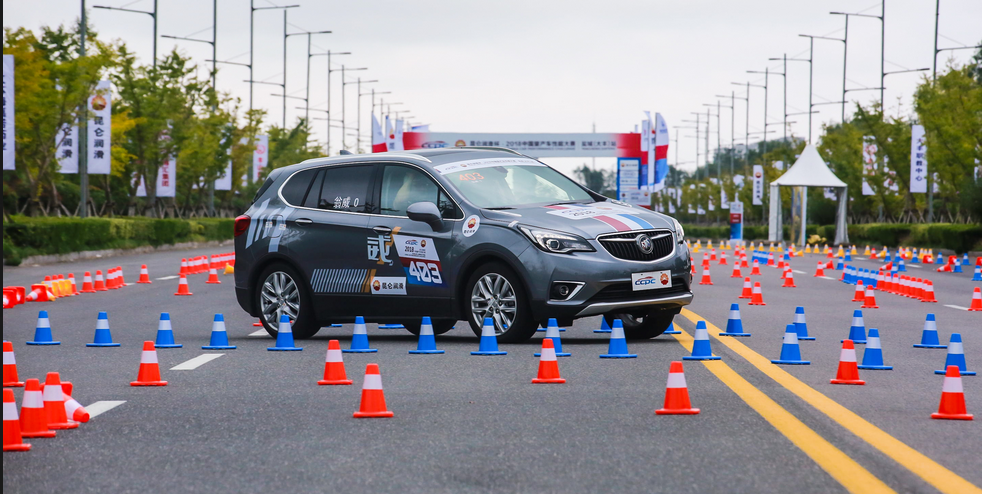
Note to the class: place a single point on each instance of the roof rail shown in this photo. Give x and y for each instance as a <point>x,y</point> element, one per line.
<point>491,148</point>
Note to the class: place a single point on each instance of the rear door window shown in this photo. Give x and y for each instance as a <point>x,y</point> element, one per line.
<point>343,188</point>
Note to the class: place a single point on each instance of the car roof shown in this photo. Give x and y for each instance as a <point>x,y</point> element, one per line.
<point>427,158</point>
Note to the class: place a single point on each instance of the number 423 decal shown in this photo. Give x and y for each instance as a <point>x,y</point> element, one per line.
<point>424,273</point>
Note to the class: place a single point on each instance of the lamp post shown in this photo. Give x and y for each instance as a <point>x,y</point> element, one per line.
<point>719,143</point>
<point>746,144</point>
<point>344,140</point>
<point>329,54</point>
<point>358,106</point>
<point>286,36</point>
<point>883,31</point>
<point>252,15</point>
<point>732,109</point>
<point>83,144</point>
<point>152,14</point>
<point>698,123</point>
<point>764,87</point>
<point>811,78</point>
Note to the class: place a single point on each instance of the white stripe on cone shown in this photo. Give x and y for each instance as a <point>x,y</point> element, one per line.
<point>372,382</point>
<point>951,385</point>
<point>799,318</point>
<point>847,355</point>
<point>791,338</point>
<point>548,354</point>
<point>33,399</point>
<point>488,330</point>
<point>360,329</point>
<point>956,348</point>
<point>675,380</point>
<point>857,321</point>
<point>71,406</point>
<point>8,358</point>
<point>53,393</point>
<point>334,356</point>
<point>872,342</point>
<point>426,330</point>
<point>285,328</point>
<point>148,357</point>
<point>10,412</point>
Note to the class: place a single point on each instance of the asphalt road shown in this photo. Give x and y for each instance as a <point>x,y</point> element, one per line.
<point>256,421</point>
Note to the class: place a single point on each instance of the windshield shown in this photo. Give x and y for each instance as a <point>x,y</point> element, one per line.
<point>514,186</point>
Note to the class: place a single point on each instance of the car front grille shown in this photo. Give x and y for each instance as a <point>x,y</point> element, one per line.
<point>623,292</point>
<point>623,245</point>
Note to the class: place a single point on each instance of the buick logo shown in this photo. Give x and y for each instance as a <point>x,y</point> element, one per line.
<point>644,243</point>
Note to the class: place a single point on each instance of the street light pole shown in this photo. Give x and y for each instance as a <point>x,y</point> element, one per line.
<point>152,14</point>
<point>285,37</point>
<point>344,124</point>
<point>732,108</point>
<point>329,53</point>
<point>252,14</point>
<point>83,144</point>
<point>358,125</point>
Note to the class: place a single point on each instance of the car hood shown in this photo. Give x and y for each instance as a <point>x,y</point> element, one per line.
<point>587,220</point>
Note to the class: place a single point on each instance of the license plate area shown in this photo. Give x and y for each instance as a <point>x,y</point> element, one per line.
<point>651,280</point>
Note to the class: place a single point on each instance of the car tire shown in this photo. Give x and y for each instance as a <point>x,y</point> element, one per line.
<point>645,328</point>
<point>516,304</point>
<point>440,326</point>
<point>305,324</point>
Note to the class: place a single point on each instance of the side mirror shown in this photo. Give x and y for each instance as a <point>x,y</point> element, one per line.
<point>426,212</point>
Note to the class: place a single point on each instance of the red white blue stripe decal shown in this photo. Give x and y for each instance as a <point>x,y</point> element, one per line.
<point>619,222</point>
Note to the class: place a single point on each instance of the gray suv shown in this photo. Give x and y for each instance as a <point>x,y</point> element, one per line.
<point>454,234</point>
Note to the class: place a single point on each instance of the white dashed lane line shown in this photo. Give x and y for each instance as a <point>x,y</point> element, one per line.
<point>101,407</point>
<point>165,278</point>
<point>259,334</point>
<point>196,362</point>
<point>799,272</point>
<point>957,307</point>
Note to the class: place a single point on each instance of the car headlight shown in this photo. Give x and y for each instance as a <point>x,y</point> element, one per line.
<point>679,232</point>
<point>557,242</point>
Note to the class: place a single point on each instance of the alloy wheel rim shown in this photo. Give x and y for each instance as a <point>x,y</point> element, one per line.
<point>493,296</point>
<point>280,296</point>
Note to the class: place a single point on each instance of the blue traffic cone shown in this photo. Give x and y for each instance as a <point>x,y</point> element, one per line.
<point>219,337</point>
<point>604,327</point>
<point>939,259</point>
<point>701,350</point>
<point>790,351</point>
<point>887,258</point>
<point>671,329</point>
<point>838,264</point>
<point>966,260</point>
<point>103,338</point>
<point>901,265</point>
<point>956,356</point>
<point>873,355</point>
<point>848,256</point>
<point>165,333</point>
<point>284,337</point>
<point>552,333</point>
<point>915,258</point>
<point>929,338</point>
<point>978,274</point>
<point>618,344</point>
<point>42,335</point>
<point>800,325</point>
<point>427,341</point>
<point>957,268</point>
<point>857,332</point>
<point>359,339</point>
<point>734,325</point>
<point>489,340</point>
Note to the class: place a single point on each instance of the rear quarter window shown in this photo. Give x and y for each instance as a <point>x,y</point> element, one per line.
<point>296,187</point>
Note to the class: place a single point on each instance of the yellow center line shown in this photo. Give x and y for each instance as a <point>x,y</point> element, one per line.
<point>921,465</point>
<point>840,466</point>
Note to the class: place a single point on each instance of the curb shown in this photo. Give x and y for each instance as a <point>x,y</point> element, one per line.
<point>103,254</point>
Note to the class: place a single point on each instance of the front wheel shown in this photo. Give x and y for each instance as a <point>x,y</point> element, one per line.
<point>282,292</point>
<point>495,291</point>
<point>643,328</point>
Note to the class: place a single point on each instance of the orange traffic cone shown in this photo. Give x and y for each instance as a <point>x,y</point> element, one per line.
<point>548,366</point>
<point>722,258</point>
<point>976,301</point>
<point>736,271</point>
<point>111,279</point>
<point>677,393</point>
<point>71,280</point>
<point>149,374</point>
<point>12,439</point>
<point>144,276</point>
<point>952,398</point>
<point>929,292</point>
<point>860,294</point>
<point>54,403</point>
<point>100,282</point>
<point>706,278</point>
<point>184,267</point>
<point>372,396</point>
<point>693,270</point>
<point>770,259</point>
<point>743,260</point>
<point>120,279</point>
<point>213,277</point>
<point>758,295</point>
<point>87,286</point>
<point>848,369</point>
<point>182,287</point>
<point>73,409</point>
<point>334,374</point>
<point>756,269</point>
<point>870,299</point>
<point>748,292</point>
<point>820,270</point>
<point>33,418</point>
<point>10,379</point>
<point>788,279</point>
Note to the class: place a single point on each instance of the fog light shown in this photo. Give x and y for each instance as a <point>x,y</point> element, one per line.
<point>563,290</point>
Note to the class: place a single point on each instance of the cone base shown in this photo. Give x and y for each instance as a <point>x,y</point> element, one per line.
<point>175,345</point>
<point>259,325</point>
<point>103,345</point>
<point>963,373</point>
<point>704,283</point>
<point>17,447</point>
<point>87,291</point>
<point>13,384</point>
<point>856,342</point>
<point>710,357</point>
<point>183,294</point>
<point>43,343</point>
<point>366,350</point>
<point>63,426</point>
<point>38,435</point>
<point>791,362</point>
<point>677,411</point>
<point>144,282</point>
<point>557,380</point>
<point>560,354</point>
<point>426,352</point>
<point>870,306</point>
<point>857,382</point>
<point>743,298</point>
<point>672,332</point>
<point>345,382</point>
<point>226,347</point>
<point>876,367</point>
<point>930,346</point>
<point>148,383</point>
<point>930,301</point>
<point>605,331</point>
<point>751,303</point>
<point>489,353</point>
<point>213,282</point>
<point>952,416</point>
<point>619,355</point>
<point>284,349</point>
<point>735,334</point>
<point>373,415</point>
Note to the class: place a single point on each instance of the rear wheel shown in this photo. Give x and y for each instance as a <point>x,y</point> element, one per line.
<point>495,291</point>
<point>643,327</point>
<point>440,326</point>
<point>281,291</point>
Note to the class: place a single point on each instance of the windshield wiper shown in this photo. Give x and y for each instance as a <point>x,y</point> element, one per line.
<point>566,203</point>
<point>499,209</point>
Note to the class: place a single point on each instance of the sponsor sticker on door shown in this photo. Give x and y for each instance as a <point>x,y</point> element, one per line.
<point>388,286</point>
<point>471,225</point>
<point>651,280</point>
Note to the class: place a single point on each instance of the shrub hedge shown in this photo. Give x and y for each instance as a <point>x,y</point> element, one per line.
<point>23,236</point>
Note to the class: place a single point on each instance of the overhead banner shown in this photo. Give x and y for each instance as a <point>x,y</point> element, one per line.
<point>260,157</point>
<point>869,163</point>
<point>535,145</point>
<point>918,160</point>
<point>8,112</point>
<point>100,130</point>
<point>758,197</point>
<point>66,149</point>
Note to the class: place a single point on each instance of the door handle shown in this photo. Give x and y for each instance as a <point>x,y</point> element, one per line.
<point>382,230</point>
<point>304,221</point>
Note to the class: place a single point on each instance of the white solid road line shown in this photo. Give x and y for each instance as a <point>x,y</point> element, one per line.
<point>827,278</point>
<point>914,266</point>
<point>259,334</point>
<point>165,278</point>
<point>101,407</point>
<point>957,307</point>
<point>196,362</point>
<point>799,272</point>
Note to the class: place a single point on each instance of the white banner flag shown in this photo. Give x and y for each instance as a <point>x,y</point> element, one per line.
<point>167,178</point>
<point>758,185</point>
<point>100,130</point>
<point>399,144</point>
<point>724,201</point>
<point>8,112</point>
<point>870,164</point>
<point>918,160</point>
<point>66,149</point>
<point>141,186</point>
<point>225,181</point>
<point>260,157</point>
<point>390,135</point>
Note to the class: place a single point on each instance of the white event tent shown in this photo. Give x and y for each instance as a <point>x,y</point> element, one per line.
<point>809,170</point>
